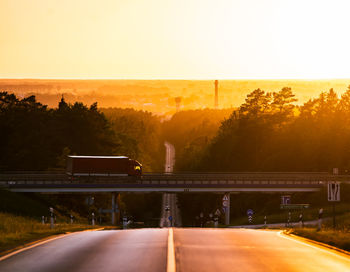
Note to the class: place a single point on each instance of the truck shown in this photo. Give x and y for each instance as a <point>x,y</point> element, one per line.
<point>80,166</point>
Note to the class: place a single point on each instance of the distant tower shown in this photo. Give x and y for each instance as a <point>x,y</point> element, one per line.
<point>216,104</point>
<point>178,103</point>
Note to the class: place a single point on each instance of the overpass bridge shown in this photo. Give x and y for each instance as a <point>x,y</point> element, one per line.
<point>59,182</point>
<point>225,183</point>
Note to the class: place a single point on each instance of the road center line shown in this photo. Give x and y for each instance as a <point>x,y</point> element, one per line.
<point>171,263</point>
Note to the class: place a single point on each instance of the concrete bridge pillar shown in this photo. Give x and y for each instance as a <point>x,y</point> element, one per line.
<point>227,200</point>
<point>113,215</point>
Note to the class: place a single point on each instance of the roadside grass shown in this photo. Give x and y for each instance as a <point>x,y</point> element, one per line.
<point>308,215</point>
<point>336,238</point>
<point>18,230</point>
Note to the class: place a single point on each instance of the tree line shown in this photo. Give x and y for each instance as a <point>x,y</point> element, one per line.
<point>35,137</point>
<point>269,132</point>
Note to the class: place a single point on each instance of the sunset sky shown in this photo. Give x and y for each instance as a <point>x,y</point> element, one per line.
<point>174,39</point>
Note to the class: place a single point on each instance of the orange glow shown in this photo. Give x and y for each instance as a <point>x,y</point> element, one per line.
<point>165,39</point>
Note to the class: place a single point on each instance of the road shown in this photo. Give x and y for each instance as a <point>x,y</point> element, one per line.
<point>169,201</point>
<point>127,250</point>
<point>169,157</point>
<point>194,250</point>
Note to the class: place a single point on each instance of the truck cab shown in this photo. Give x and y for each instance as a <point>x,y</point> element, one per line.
<point>136,168</point>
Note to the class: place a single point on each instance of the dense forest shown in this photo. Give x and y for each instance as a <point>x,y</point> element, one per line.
<point>269,132</point>
<point>35,137</point>
<point>191,131</point>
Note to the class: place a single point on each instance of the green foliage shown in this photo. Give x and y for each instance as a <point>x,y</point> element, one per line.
<point>22,204</point>
<point>18,230</point>
<point>33,136</point>
<point>270,133</point>
<point>339,239</point>
<point>138,136</point>
<point>190,132</point>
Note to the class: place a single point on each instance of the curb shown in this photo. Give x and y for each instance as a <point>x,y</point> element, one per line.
<point>347,253</point>
<point>10,252</point>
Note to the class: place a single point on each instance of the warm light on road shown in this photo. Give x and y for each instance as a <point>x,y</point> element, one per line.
<point>186,249</point>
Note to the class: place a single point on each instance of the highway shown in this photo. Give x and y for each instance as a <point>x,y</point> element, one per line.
<point>169,201</point>
<point>193,250</point>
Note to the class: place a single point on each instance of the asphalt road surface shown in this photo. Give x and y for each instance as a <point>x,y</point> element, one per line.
<point>169,201</point>
<point>124,250</point>
<point>169,157</point>
<point>195,250</point>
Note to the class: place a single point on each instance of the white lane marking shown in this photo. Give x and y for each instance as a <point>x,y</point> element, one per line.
<point>43,242</point>
<point>29,247</point>
<point>171,263</point>
<point>329,251</point>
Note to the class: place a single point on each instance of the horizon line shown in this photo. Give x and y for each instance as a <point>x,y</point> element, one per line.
<point>171,79</point>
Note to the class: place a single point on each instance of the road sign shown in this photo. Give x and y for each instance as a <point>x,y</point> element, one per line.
<point>225,201</point>
<point>294,206</point>
<point>250,219</point>
<point>334,191</point>
<point>285,199</point>
<point>217,212</point>
<point>170,218</point>
<point>250,212</point>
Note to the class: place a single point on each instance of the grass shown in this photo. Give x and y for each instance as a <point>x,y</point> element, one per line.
<point>308,215</point>
<point>18,230</point>
<point>337,238</point>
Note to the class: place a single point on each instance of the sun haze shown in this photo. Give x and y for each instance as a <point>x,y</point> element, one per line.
<point>165,39</point>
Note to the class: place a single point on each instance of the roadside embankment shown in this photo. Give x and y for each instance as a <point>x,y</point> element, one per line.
<point>336,238</point>
<point>16,231</point>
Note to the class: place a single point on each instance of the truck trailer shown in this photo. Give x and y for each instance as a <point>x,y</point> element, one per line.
<point>102,166</point>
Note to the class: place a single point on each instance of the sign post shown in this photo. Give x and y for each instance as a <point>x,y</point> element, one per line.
<point>250,213</point>
<point>333,196</point>
<point>93,219</point>
<point>226,205</point>
<point>125,222</point>
<point>216,218</point>
<point>294,207</point>
<point>51,218</point>
<point>320,213</point>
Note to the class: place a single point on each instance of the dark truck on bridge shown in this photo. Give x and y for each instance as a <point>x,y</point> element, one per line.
<point>83,166</point>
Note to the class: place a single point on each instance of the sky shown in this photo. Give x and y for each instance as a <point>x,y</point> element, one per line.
<point>175,39</point>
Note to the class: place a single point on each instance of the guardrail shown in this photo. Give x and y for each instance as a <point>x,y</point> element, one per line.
<point>237,178</point>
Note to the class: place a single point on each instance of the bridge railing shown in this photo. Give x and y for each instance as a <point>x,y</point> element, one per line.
<point>264,178</point>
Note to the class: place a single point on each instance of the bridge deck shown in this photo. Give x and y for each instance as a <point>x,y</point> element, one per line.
<point>185,182</point>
